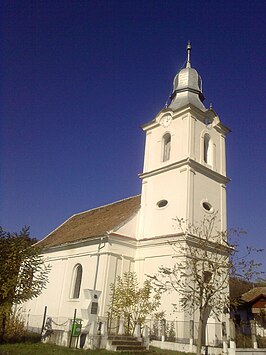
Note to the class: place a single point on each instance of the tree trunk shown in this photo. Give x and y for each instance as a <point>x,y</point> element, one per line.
<point>200,331</point>
<point>3,328</point>
<point>5,312</point>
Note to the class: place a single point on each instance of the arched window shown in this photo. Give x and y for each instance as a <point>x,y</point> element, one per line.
<point>166,146</point>
<point>77,277</point>
<point>206,149</point>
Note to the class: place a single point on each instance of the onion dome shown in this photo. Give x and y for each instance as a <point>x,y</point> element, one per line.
<point>187,87</point>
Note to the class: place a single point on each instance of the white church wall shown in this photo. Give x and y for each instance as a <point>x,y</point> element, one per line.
<point>207,190</point>
<point>150,256</point>
<point>57,296</point>
<point>216,162</point>
<point>178,130</point>
<point>187,132</point>
<point>52,294</point>
<point>170,186</point>
<point>121,246</point>
<point>129,229</point>
<point>113,268</point>
<point>116,265</point>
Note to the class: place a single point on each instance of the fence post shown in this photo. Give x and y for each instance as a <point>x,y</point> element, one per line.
<point>224,335</point>
<point>253,334</point>
<point>93,328</point>
<point>104,329</point>
<point>137,331</point>
<point>44,317</point>
<point>121,329</point>
<point>71,332</point>
<point>232,334</point>
<point>163,329</point>
<point>191,335</point>
<point>146,337</point>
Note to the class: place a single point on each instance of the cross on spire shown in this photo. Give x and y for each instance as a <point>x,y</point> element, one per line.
<point>188,54</point>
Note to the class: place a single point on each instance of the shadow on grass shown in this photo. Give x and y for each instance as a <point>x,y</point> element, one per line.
<point>26,338</point>
<point>50,349</point>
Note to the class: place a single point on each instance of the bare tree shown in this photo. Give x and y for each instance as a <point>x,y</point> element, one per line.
<point>200,275</point>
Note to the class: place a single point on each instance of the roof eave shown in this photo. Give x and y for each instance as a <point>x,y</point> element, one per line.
<point>77,243</point>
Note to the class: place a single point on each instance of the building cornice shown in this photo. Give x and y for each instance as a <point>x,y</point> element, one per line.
<point>189,108</point>
<point>205,170</point>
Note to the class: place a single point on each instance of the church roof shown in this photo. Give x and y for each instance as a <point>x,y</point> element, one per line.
<point>254,293</point>
<point>93,223</point>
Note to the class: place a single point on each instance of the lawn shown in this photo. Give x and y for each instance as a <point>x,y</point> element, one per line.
<point>49,349</point>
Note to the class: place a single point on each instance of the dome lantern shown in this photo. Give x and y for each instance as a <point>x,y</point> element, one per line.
<point>187,86</point>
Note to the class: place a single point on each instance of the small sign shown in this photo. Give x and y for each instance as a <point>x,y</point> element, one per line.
<point>94,307</point>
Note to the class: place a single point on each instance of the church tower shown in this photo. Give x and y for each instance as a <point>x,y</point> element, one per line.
<point>184,172</point>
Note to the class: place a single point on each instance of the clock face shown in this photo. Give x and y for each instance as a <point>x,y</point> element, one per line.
<point>166,120</point>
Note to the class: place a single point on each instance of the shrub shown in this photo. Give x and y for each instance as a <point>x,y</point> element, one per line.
<point>261,341</point>
<point>16,331</point>
<point>15,328</point>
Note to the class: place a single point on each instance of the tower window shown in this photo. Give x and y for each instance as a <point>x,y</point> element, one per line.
<point>207,149</point>
<point>162,203</point>
<point>207,206</point>
<point>77,277</point>
<point>166,146</point>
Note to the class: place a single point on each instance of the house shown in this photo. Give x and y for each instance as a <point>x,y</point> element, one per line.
<point>252,306</point>
<point>184,175</point>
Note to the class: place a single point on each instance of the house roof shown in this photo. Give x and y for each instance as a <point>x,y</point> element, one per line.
<point>92,223</point>
<point>253,294</point>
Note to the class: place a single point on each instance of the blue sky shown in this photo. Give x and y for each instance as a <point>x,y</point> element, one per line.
<point>78,78</point>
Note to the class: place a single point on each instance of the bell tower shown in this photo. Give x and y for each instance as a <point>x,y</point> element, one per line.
<point>184,170</point>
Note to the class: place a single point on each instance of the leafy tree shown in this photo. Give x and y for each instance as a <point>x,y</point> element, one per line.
<point>23,273</point>
<point>238,286</point>
<point>131,302</point>
<point>205,260</point>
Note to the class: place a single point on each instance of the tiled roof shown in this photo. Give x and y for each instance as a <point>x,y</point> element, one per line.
<point>253,294</point>
<point>92,223</point>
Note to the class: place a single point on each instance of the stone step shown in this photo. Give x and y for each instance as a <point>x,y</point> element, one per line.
<point>121,337</point>
<point>126,342</point>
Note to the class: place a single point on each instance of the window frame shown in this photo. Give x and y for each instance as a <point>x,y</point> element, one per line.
<point>207,149</point>
<point>76,281</point>
<point>166,147</point>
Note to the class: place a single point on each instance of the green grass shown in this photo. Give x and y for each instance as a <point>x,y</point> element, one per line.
<point>50,349</point>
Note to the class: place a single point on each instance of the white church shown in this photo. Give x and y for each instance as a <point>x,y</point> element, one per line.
<point>184,176</point>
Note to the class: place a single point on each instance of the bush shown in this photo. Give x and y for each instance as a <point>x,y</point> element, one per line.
<point>15,328</point>
<point>16,331</point>
<point>261,341</point>
<point>243,341</point>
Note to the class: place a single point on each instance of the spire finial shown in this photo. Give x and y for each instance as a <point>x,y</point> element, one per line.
<point>188,54</point>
